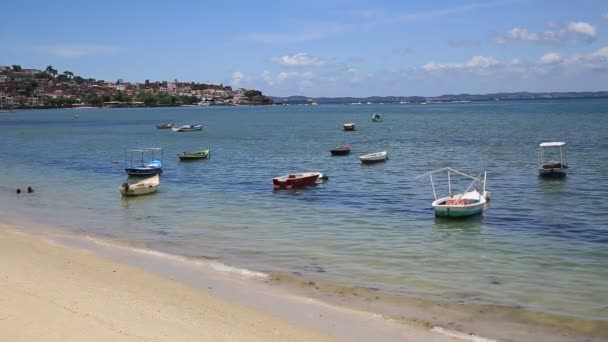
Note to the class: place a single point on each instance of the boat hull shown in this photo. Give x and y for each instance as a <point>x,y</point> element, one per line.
<point>295,181</point>
<point>556,172</point>
<point>151,168</point>
<point>374,158</point>
<point>453,211</point>
<point>165,126</point>
<point>188,156</point>
<point>137,171</point>
<point>144,187</point>
<point>190,128</point>
<point>460,206</point>
<point>340,151</point>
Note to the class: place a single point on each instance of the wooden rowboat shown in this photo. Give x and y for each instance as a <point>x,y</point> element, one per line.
<point>202,154</point>
<point>340,151</point>
<point>371,158</point>
<point>296,180</point>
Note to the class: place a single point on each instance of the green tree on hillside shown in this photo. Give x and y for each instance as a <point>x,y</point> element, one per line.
<point>50,70</point>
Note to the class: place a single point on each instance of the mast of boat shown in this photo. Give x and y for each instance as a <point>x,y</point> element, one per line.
<point>433,185</point>
<point>485,174</point>
<point>449,184</point>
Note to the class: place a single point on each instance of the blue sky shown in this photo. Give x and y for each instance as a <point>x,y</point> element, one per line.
<point>320,48</point>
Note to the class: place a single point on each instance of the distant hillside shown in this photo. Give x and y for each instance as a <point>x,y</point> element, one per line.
<point>445,98</point>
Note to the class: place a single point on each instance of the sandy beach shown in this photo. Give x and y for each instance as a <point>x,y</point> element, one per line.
<point>54,292</point>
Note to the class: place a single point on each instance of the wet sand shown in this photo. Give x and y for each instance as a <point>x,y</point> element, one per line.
<point>54,292</point>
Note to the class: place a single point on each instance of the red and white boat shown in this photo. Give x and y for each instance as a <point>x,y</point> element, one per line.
<point>296,180</point>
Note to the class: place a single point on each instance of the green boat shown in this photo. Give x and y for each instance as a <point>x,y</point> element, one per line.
<point>202,154</point>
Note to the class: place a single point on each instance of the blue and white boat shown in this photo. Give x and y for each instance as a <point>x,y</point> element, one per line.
<point>144,161</point>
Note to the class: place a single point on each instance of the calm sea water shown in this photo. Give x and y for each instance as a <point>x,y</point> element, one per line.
<point>541,245</point>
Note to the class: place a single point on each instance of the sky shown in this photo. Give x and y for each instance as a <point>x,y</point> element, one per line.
<point>320,47</point>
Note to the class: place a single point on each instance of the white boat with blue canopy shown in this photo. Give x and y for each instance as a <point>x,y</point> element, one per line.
<point>144,161</point>
<point>548,167</point>
<point>467,203</point>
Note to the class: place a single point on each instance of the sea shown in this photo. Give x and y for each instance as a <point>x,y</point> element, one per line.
<point>538,254</point>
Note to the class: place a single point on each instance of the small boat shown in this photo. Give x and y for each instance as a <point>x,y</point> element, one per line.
<point>377,117</point>
<point>136,164</point>
<point>187,128</point>
<point>165,125</point>
<point>340,151</point>
<point>468,203</point>
<point>551,168</point>
<point>371,158</point>
<point>142,187</point>
<point>296,180</point>
<point>76,116</point>
<point>202,154</point>
<point>349,127</point>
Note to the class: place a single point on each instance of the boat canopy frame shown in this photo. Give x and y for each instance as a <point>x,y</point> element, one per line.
<point>541,151</point>
<point>450,170</point>
<point>142,152</point>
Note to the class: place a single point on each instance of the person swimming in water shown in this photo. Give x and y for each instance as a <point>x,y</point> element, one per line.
<point>29,190</point>
<point>18,191</point>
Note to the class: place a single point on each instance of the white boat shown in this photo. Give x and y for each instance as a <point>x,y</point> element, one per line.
<point>142,187</point>
<point>349,127</point>
<point>371,158</point>
<point>468,203</point>
<point>376,117</point>
<point>187,128</point>
<point>551,168</point>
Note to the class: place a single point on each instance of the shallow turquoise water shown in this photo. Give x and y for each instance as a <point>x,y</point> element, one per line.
<point>540,245</point>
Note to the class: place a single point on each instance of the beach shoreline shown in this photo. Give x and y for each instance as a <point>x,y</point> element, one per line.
<point>74,293</point>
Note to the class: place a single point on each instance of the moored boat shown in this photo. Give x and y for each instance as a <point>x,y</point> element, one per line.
<point>376,117</point>
<point>340,151</point>
<point>349,127</point>
<point>551,168</point>
<point>187,128</point>
<point>296,180</point>
<point>202,154</point>
<point>468,203</point>
<point>136,164</point>
<point>166,125</point>
<point>142,187</point>
<point>376,157</point>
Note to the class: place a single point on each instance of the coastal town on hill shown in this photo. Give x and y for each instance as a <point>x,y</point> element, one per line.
<point>34,88</point>
<point>22,88</point>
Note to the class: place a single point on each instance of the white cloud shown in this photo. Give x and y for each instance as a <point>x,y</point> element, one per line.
<point>550,58</point>
<point>475,63</point>
<point>299,59</point>
<point>237,78</point>
<point>576,31</point>
<point>582,28</point>
<point>601,53</point>
<point>522,34</point>
<point>283,76</point>
<point>267,78</point>
<point>73,51</point>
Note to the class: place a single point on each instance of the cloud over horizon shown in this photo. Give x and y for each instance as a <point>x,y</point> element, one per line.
<point>299,59</point>
<point>576,31</point>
